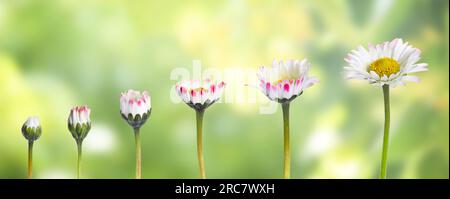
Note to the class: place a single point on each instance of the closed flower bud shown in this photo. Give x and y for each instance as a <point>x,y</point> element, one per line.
<point>31,129</point>
<point>79,122</point>
<point>135,107</point>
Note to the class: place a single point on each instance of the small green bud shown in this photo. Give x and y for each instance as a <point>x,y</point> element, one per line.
<point>31,129</point>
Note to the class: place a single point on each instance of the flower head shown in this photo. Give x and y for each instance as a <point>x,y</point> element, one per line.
<point>31,129</point>
<point>388,63</point>
<point>79,122</point>
<point>284,81</point>
<point>200,94</point>
<point>135,107</point>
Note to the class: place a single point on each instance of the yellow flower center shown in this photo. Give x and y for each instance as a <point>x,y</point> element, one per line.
<point>281,80</point>
<point>385,66</point>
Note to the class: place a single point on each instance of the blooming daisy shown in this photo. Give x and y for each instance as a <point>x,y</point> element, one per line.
<point>283,82</point>
<point>135,108</point>
<point>200,94</point>
<point>388,63</point>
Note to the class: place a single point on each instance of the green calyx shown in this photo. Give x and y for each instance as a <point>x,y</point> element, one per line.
<point>283,101</point>
<point>31,133</point>
<point>79,131</point>
<point>137,121</point>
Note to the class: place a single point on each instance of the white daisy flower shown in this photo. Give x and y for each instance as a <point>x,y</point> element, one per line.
<point>135,107</point>
<point>284,81</point>
<point>135,103</point>
<point>200,94</point>
<point>389,63</point>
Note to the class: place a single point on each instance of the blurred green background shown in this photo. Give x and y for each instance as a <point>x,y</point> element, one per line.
<point>61,53</point>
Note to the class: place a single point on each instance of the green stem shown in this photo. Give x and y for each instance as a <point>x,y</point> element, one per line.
<point>79,143</point>
<point>137,138</point>
<point>386,131</point>
<point>287,151</point>
<point>30,159</point>
<point>201,163</point>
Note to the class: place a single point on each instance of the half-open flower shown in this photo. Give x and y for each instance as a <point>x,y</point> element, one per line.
<point>388,63</point>
<point>135,107</point>
<point>284,81</point>
<point>31,129</point>
<point>79,122</point>
<point>200,94</point>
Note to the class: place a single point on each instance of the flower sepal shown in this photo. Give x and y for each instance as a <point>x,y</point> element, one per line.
<point>137,121</point>
<point>199,106</point>
<point>79,131</point>
<point>284,100</point>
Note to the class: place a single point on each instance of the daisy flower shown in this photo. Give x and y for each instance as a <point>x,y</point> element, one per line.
<point>199,95</point>
<point>285,81</point>
<point>390,63</point>
<point>282,83</point>
<point>135,108</point>
<point>385,65</point>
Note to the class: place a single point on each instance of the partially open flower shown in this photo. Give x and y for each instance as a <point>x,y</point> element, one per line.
<point>390,63</point>
<point>79,122</point>
<point>135,107</point>
<point>285,80</point>
<point>200,94</point>
<point>31,129</point>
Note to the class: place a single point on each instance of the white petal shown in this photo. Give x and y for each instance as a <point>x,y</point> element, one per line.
<point>411,78</point>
